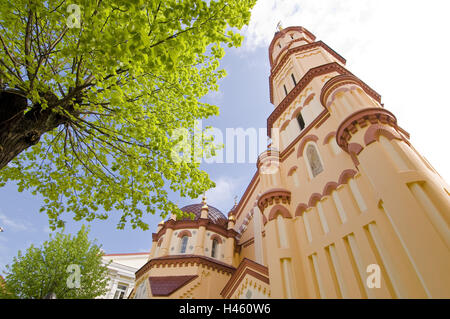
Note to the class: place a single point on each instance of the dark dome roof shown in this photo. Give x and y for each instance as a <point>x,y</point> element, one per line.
<point>214,214</point>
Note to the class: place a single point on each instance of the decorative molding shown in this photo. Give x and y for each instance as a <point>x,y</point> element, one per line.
<point>279,209</point>
<point>363,118</point>
<point>274,196</point>
<point>341,80</point>
<point>185,260</point>
<point>283,33</point>
<point>247,266</point>
<point>306,140</point>
<point>345,176</point>
<point>376,130</point>
<point>184,233</point>
<point>327,138</point>
<point>292,170</point>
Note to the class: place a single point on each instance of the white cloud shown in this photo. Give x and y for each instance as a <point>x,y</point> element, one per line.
<point>222,196</point>
<point>7,223</point>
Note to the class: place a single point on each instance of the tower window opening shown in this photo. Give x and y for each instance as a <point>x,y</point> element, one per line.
<point>279,45</point>
<point>285,90</point>
<point>214,248</point>
<point>293,79</point>
<point>292,36</point>
<point>184,242</point>
<point>301,121</point>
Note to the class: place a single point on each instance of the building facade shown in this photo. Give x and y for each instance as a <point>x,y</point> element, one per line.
<point>341,204</point>
<point>121,273</point>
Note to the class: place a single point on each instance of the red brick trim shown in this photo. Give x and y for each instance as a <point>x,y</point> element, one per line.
<point>277,210</point>
<point>341,80</point>
<point>374,132</point>
<point>282,33</point>
<point>195,224</point>
<point>354,148</point>
<point>185,260</point>
<point>303,143</point>
<point>327,138</point>
<point>346,175</point>
<point>362,118</point>
<point>314,199</point>
<point>273,196</point>
<point>286,48</point>
<point>301,208</point>
<point>247,266</point>
<point>214,236</point>
<point>184,233</point>
<point>292,170</point>
<point>328,189</point>
<point>285,124</point>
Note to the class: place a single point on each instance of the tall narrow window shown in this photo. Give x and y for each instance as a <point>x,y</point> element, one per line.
<point>184,242</point>
<point>285,90</point>
<point>292,37</point>
<point>314,160</point>
<point>279,45</point>
<point>293,79</point>
<point>214,248</point>
<point>301,121</point>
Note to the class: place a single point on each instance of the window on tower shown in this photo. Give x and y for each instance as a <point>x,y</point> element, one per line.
<point>301,121</point>
<point>214,248</point>
<point>293,79</point>
<point>285,90</point>
<point>184,242</point>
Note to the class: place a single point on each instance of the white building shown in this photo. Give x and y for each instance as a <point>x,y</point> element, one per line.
<point>122,273</point>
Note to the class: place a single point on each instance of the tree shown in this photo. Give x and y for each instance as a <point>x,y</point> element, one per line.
<point>52,269</point>
<point>91,95</point>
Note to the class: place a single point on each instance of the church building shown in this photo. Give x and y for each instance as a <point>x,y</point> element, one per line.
<point>341,204</point>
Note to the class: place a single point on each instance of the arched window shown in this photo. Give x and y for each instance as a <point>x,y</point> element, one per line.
<point>215,243</point>
<point>315,164</point>
<point>183,246</point>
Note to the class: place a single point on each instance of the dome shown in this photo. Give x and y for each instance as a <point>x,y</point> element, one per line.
<point>214,215</point>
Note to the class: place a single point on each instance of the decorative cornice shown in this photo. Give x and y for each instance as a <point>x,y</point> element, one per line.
<point>194,224</point>
<point>185,260</point>
<point>305,140</point>
<point>247,266</point>
<point>274,196</point>
<point>362,119</point>
<point>282,33</point>
<point>345,176</point>
<point>341,80</point>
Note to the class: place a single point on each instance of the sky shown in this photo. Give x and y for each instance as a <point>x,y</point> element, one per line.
<point>399,48</point>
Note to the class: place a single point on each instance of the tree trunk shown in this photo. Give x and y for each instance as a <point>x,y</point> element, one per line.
<point>19,130</point>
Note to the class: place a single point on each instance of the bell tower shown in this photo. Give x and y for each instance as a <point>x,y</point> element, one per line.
<point>348,190</point>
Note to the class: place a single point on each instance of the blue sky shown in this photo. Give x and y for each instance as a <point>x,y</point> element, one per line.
<point>400,48</point>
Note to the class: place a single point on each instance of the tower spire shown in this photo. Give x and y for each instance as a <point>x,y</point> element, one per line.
<point>279,26</point>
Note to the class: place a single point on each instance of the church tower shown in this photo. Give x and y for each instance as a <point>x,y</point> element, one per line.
<point>349,208</point>
<point>341,204</point>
